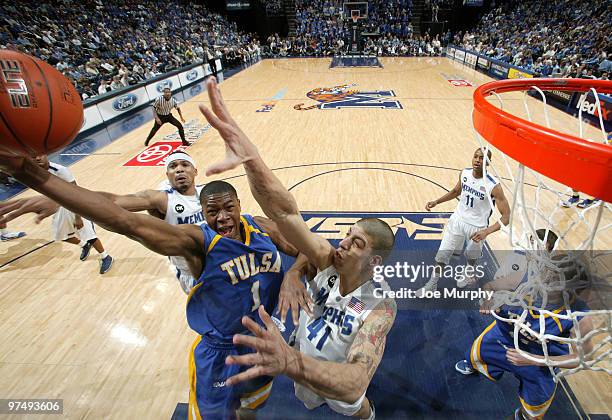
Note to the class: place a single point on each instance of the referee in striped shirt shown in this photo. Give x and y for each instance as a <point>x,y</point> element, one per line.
<point>162,108</point>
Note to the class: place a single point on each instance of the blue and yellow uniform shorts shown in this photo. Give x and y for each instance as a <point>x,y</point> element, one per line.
<point>209,397</point>
<point>536,385</point>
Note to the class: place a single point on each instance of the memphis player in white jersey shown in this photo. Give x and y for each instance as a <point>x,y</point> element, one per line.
<point>477,193</point>
<point>177,204</point>
<point>70,227</point>
<point>182,207</point>
<point>330,332</point>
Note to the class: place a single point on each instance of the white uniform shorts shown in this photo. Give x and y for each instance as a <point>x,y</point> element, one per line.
<point>312,401</point>
<point>63,227</point>
<point>455,234</point>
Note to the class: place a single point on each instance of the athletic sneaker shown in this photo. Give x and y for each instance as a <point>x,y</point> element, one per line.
<point>467,281</point>
<point>464,368</point>
<point>587,202</point>
<point>574,199</point>
<point>430,286</point>
<point>9,236</point>
<point>106,264</point>
<point>85,251</point>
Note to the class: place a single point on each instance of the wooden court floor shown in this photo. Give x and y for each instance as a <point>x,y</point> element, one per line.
<point>115,346</point>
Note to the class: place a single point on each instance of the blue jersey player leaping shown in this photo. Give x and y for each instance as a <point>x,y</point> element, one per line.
<point>493,352</point>
<point>236,263</point>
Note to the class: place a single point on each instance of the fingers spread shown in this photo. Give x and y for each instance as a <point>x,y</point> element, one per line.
<point>249,374</point>
<point>216,101</point>
<point>306,303</point>
<point>247,359</point>
<point>282,309</point>
<point>253,326</point>
<point>225,165</point>
<point>211,117</point>
<point>247,340</point>
<point>267,320</point>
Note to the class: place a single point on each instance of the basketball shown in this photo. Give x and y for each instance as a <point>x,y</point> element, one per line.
<point>40,109</point>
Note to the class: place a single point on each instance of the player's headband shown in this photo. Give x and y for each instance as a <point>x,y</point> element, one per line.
<point>179,156</point>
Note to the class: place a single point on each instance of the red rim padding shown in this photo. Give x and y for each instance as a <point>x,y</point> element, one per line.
<point>583,165</point>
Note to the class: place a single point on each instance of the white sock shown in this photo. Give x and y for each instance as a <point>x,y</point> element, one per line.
<point>103,254</point>
<point>82,243</point>
<point>3,231</point>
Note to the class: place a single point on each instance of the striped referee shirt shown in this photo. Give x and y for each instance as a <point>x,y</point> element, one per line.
<point>163,106</point>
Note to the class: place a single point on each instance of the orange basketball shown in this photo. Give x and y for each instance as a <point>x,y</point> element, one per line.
<point>40,110</point>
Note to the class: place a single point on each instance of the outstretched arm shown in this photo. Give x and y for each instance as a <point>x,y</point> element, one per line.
<point>454,193</point>
<point>44,207</point>
<point>276,202</point>
<point>165,239</point>
<point>339,381</point>
<point>40,205</point>
<point>140,201</point>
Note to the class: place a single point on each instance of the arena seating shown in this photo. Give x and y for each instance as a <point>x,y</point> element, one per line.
<point>105,46</point>
<point>322,30</point>
<point>556,38</point>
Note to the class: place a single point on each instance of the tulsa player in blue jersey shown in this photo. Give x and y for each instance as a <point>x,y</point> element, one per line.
<point>337,352</point>
<point>234,258</point>
<point>493,352</point>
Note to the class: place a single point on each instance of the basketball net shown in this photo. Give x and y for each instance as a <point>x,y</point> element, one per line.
<point>577,268</point>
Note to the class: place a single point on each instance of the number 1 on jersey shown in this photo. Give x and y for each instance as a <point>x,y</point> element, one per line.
<point>469,201</point>
<point>255,293</point>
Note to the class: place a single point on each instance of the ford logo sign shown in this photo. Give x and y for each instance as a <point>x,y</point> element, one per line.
<point>125,102</point>
<point>195,90</point>
<point>192,75</point>
<point>163,85</point>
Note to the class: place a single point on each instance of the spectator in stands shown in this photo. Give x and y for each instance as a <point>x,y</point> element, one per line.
<point>91,40</point>
<point>552,38</point>
<point>116,83</point>
<point>104,87</point>
<point>323,30</point>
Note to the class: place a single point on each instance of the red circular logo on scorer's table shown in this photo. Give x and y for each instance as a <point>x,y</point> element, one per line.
<point>154,153</point>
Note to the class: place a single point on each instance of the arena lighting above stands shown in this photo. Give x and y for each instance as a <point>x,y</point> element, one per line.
<point>104,108</point>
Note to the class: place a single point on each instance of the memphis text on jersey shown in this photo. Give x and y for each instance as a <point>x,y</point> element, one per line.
<point>246,265</point>
<point>470,190</point>
<point>192,219</point>
<point>335,316</point>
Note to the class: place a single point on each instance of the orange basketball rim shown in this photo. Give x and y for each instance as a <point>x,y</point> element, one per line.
<point>584,165</point>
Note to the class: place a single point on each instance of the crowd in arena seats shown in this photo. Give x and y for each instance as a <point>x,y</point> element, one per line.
<point>104,46</point>
<point>324,30</point>
<point>555,38</point>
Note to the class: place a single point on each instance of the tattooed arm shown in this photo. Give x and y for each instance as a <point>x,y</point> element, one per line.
<point>338,381</point>
<point>348,381</point>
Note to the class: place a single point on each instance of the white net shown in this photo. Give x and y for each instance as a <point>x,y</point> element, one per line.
<point>567,245</point>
